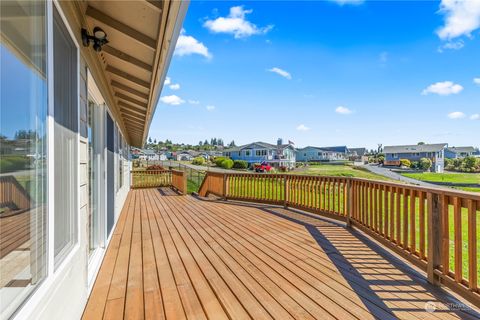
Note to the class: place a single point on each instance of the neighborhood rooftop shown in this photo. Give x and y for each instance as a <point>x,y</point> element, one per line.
<point>415,148</point>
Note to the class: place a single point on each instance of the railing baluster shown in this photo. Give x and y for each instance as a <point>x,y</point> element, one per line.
<point>445,235</point>
<point>457,225</point>
<point>421,215</point>
<point>413,229</point>
<point>472,245</point>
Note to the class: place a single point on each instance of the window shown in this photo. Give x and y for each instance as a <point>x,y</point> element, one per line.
<point>23,114</point>
<point>227,154</point>
<point>394,155</point>
<point>65,137</point>
<point>259,153</point>
<point>247,153</point>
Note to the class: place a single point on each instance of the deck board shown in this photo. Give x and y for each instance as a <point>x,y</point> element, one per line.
<point>177,257</point>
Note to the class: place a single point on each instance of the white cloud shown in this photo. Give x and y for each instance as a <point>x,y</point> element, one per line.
<point>174,86</point>
<point>236,23</point>
<point>343,110</point>
<point>452,45</point>
<point>188,45</point>
<point>167,81</point>
<point>210,108</point>
<point>193,101</point>
<point>475,116</point>
<point>302,127</point>
<point>476,81</point>
<point>461,18</point>
<point>444,88</point>
<point>172,100</point>
<point>456,115</point>
<point>343,2</point>
<point>281,72</point>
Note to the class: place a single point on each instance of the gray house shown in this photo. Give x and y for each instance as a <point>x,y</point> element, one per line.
<point>279,155</point>
<point>459,152</point>
<point>434,152</point>
<point>318,154</point>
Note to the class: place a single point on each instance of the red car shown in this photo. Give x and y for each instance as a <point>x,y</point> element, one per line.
<point>263,167</point>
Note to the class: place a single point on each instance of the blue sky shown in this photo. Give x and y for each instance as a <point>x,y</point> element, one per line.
<point>325,73</point>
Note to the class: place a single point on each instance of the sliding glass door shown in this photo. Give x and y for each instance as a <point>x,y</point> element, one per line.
<point>23,156</point>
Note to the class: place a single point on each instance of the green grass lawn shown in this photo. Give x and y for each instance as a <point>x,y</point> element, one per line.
<point>452,177</point>
<point>339,171</point>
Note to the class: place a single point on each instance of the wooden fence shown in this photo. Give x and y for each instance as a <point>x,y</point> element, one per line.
<point>436,229</point>
<point>159,178</point>
<point>12,194</point>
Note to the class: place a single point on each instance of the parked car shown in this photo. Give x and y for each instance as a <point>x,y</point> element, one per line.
<point>263,167</point>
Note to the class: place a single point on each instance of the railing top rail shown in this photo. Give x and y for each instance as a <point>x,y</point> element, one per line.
<point>149,171</point>
<point>441,191</point>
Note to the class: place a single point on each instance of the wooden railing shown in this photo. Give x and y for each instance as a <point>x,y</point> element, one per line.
<point>436,229</point>
<point>179,181</point>
<point>159,178</point>
<point>12,194</point>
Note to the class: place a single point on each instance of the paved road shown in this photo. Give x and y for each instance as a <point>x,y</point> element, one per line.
<point>395,176</point>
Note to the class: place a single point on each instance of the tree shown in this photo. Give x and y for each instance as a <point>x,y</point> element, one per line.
<point>421,143</point>
<point>232,144</point>
<point>206,143</point>
<point>155,141</point>
<point>149,139</point>
<point>200,143</point>
<point>425,164</point>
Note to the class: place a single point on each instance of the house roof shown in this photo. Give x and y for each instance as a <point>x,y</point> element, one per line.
<point>258,143</point>
<point>461,149</point>
<point>358,151</point>
<point>415,148</point>
<point>148,151</point>
<point>322,149</point>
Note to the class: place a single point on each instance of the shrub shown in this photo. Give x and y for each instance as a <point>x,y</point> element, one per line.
<point>470,163</point>
<point>405,163</point>
<point>227,164</point>
<point>415,165</point>
<point>240,164</point>
<point>155,167</point>
<point>199,161</point>
<point>218,161</point>
<point>425,163</point>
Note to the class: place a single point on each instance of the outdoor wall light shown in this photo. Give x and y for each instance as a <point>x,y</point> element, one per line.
<point>99,38</point>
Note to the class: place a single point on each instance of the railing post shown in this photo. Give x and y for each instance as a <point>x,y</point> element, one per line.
<point>224,192</point>
<point>184,184</point>
<point>349,195</point>
<point>286,190</point>
<point>434,225</point>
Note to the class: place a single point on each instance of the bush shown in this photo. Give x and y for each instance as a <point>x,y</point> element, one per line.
<point>240,164</point>
<point>425,164</point>
<point>199,161</point>
<point>155,167</point>
<point>218,161</point>
<point>405,163</point>
<point>226,164</point>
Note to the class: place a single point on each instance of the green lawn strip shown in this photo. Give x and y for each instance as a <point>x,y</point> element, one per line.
<point>340,171</point>
<point>445,177</point>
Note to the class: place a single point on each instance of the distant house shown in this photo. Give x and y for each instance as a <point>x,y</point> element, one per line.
<point>358,154</point>
<point>187,155</point>
<point>317,154</point>
<point>279,155</point>
<point>149,155</point>
<point>434,152</point>
<point>459,152</point>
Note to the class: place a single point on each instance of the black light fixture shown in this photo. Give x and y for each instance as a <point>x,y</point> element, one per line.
<point>99,38</point>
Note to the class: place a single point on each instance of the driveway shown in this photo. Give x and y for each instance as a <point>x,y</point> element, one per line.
<point>386,172</point>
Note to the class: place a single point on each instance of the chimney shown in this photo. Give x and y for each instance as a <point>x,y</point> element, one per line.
<point>279,141</point>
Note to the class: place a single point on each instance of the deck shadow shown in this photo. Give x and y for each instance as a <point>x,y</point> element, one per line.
<point>351,252</point>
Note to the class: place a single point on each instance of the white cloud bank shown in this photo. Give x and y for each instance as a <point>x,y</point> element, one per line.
<point>188,45</point>
<point>167,81</point>
<point>444,88</point>
<point>302,127</point>
<point>172,100</point>
<point>210,108</point>
<point>476,81</point>
<point>456,115</point>
<point>475,116</point>
<point>343,110</point>
<point>236,24</point>
<point>193,101</point>
<point>281,72</point>
<point>462,17</point>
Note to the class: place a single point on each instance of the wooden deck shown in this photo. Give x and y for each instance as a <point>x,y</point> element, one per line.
<point>177,257</point>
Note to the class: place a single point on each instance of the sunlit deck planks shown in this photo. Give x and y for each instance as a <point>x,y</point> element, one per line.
<point>176,257</point>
